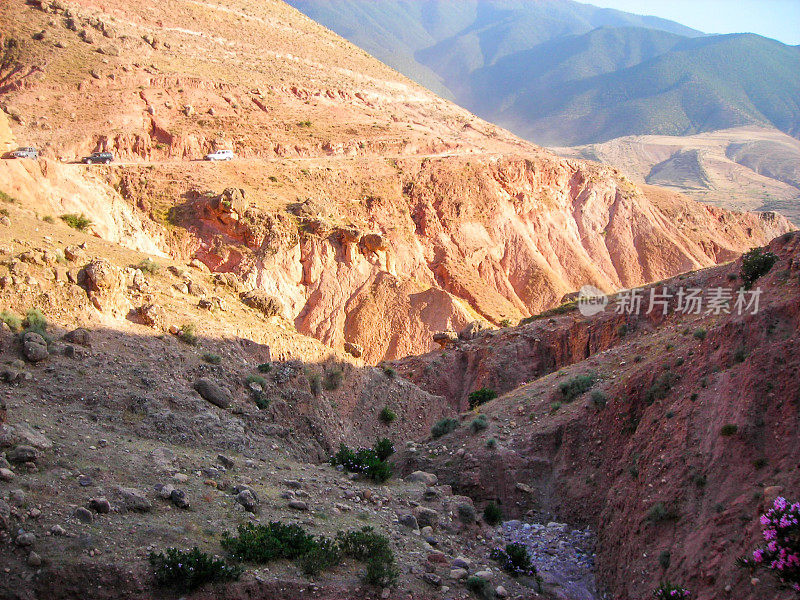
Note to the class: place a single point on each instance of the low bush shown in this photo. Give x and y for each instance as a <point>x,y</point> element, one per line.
<point>371,462</point>
<point>700,334</point>
<point>187,334</point>
<point>36,322</point>
<point>664,559</point>
<point>314,383</point>
<point>481,396</point>
<point>265,543</point>
<point>212,358</point>
<point>599,398</point>
<point>374,549</point>
<point>188,570</point>
<point>387,416</point>
<point>79,222</point>
<point>333,379</point>
<point>781,554</point>
<point>480,587</point>
<point>756,263</point>
<point>492,514</point>
<point>148,266</point>
<point>514,560</point>
<point>728,430</point>
<point>389,372</point>
<point>265,367</point>
<point>661,387</point>
<point>324,555</point>
<point>443,427</point>
<point>491,443</point>
<point>659,513</point>
<point>576,386</point>
<point>479,423</point>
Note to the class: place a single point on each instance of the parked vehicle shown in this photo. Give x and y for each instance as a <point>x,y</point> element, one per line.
<point>98,157</point>
<point>220,155</point>
<point>26,152</point>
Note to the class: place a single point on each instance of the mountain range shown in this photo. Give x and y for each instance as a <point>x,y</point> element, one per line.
<point>566,73</point>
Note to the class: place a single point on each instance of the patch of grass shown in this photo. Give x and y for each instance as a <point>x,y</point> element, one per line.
<point>700,333</point>
<point>265,367</point>
<point>664,559</point>
<point>481,396</point>
<point>13,321</point>
<point>187,334</point>
<point>190,569</point>
<point>304,124</point>
<point>80,222</point>
<point>387,416</point>
<point>480,587</point>
<point>659,513</point>
<point>599,398</point>
<point>555,406</point>
<point>6,198</point>
<point>314,383</point>
<point>493,514</point>
<point>389,372</point>
<point>514,560</point>
<point>491,443</point>
<point>252,378</point>
<point>148,266</point>
<point>479,423</point>
<point>443,427</point>
<point>728,430</point>
<point>212,358</point>
<point>576,386</point>
<point>740,355</point>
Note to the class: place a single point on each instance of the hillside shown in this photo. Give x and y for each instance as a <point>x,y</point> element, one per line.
<point>185,343</point>
<point>745,168</point>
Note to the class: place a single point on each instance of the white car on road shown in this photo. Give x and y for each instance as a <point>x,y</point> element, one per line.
<point>220,155</point>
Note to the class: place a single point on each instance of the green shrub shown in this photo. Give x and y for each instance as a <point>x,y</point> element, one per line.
<point>599,398</point>
<point>700,333</point>
<point>333,379</point>
<point>13,321</point>
<point>212,358</point>
<point>253,378</point>
<point>505,323</point>
<point>756,263</point>
<point>760,463</point>
<point>480,587</point>
<point>729,430</point>
<point>188,570</point>
<point>387,416</point>
<point>661,387</point>
<point>373,548</point>
<point>492,514</point>
<point>479,423</point>
<point>576,386</point>
<point>46,218</point>
<point>554,406</point>
<point>514,560</point>
<point>389,372</point>
<point>79,222</point>
<point>314,383</point>
<point>265,543</point>
<point>36,322</point>
<point>443,427</point>
<point>371,462</point>
<point>187,335</point>
<point>324,555</point>
<point>491,443</point>
<point>6,198</point>
<point>481,396</point>
<point>265,367</point>
<point>148,266</point>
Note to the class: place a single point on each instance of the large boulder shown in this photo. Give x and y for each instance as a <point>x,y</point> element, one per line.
<point>373,242</point>
<point>105,285</point>
<point>472,330</point>
<point>34,347</point>
<point>262,301</point>
<point>213,392</point>
<point>428,479</point>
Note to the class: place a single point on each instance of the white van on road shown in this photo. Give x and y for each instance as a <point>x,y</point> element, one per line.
<point>220,155</point>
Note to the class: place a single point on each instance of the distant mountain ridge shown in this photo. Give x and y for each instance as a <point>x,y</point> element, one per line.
<point>563,73</point>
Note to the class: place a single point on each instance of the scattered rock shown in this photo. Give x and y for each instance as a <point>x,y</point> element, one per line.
<point>179,498</point>
<point>500,591</point>
<point>298,505</point>
<point>23,454</point>
<point>34,347</point>
<point>445,338</point>
<point>262,301</point>
<point>213,392</point>
<point>25,539</point>
<point>59,530</point>
<point>462,562</point>
<point>373,242</point>
<point>247,499</point>
<point>84,515</point>
<point>79,336</point>
<point>6,474</point>
<point>458,574</point>
<point>100,505</point>
<point>432,579</point>
<point>426,516</point>
<point>472,330</point>
<point>225,461</point>
<point>133,499</point>
<point>429,479</point>
<point>17,497</point>
<point>409,521</point>
<point>354,350</point>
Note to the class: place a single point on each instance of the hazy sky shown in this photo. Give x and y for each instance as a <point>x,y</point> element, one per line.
<point>778,19</point>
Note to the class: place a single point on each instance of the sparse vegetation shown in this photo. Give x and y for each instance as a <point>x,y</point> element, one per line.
<point>755,264</point>
<point>333,379</point>
<point>700,333</point>
<point>373,548</point>
<point>659,513</point>
<point>661,387</point>
<point>148,266</point>
<point>387,416</point>
<point>304,124</point>
<point>664,559</point>
<point>314,382</point>
<point>481,396</point>
<point>190,569</point>
<point>728,430</point>
<point>36,322</point>
<point>515,560</point>
<point>443,427</point>
<point>6,198</point>
<point>389,372</point>
<point>491,443</point>
<point>264,367</point>
<point>480,587</point>
<point>479,423</point>
<point>669,591</point>
<point>492,514</point>
<point>599,398</point>
<point>370,462</point>
<point>212,358</point>
<point>13,321</point>
<point>576,386</point>
<point>187,334</point>
<point>76,221</point>
<point>264,543</point>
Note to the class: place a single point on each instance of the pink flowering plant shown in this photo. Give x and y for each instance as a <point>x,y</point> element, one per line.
<point>781,552</point>
<point>669,591</point>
